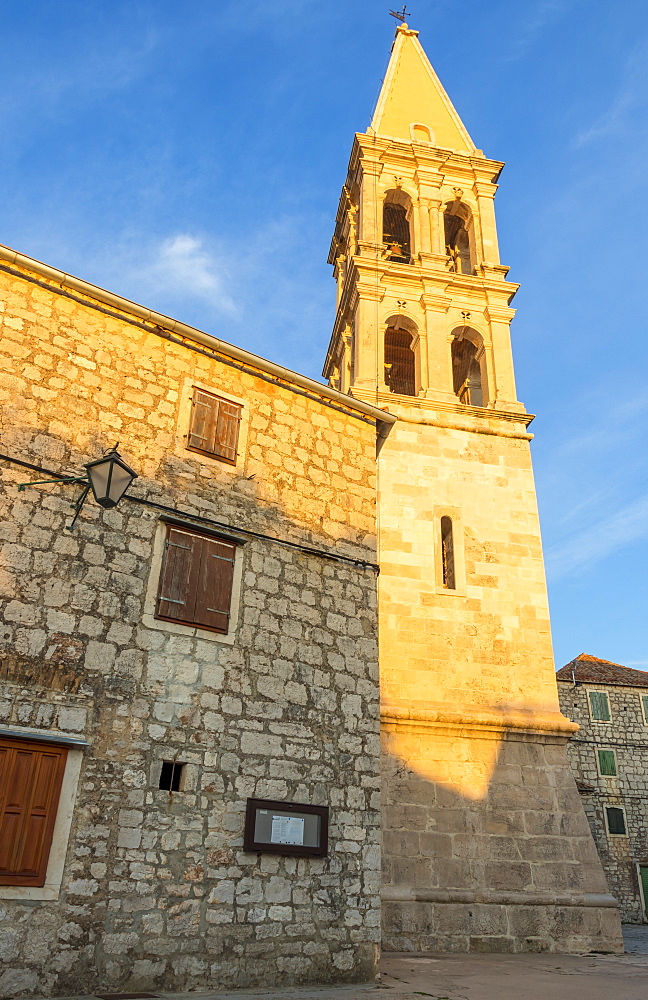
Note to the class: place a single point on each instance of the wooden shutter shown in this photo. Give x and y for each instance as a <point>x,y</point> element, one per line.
<point>204,414</point>
<point>196,580</point>
<point>214,427</point>
<point>643,874</point>
<point>30,784</point>
<point>644,705</point>
<point>600,706</point>
<point>214,595</point>
<point>615,819</point>
<point>607,762</point>
<point>227,431</point>
<point>179,576</point>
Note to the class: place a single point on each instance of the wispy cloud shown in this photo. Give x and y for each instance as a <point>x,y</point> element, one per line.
<point>630,99</point>
<point>182,266</point>
<point>583,550</point>
<point>544,14</point>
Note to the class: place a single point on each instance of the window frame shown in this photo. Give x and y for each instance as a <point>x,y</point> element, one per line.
<point>607,821</point>
<point>59,751</point>
<point>643,705</point>
<point>458,551</point>
<point>196,574</point>
<point>590,692</point>
<point>183,421</point>
<point>222,401</point>
<point>599,751</point>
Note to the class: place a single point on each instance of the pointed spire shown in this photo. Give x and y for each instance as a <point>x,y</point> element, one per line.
<point>412,94</point>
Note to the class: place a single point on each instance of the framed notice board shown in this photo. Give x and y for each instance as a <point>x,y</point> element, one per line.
<point>285,828</point>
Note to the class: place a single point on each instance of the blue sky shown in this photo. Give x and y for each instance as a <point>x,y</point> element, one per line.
<point>190,156</point>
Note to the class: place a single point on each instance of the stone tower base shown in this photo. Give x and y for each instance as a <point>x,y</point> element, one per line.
<point>486,845</point>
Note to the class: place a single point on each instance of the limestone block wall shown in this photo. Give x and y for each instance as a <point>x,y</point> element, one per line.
<point>487,644</point>
<point>485,843</point>
<point>627,735</point>
<point>156,891</point>
<point>513,870</point>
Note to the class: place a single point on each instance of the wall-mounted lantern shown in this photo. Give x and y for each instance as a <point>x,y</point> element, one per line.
<point>108,478</point>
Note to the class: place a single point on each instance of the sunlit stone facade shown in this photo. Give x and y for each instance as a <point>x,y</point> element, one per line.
<point>485,843</point>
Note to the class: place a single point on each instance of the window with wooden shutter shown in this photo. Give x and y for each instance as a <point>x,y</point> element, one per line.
<point>30,783</point>
<point>599,706</point>
<point>214,426</point>
<point>607,763</point>
<point>196,580</point>
<point>615,820</point>
<point>644,707</point>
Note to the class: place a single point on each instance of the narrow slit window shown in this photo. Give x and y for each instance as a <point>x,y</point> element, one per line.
<point>615,820</point>
<point>599,706</point>
<point>447,554</point>
<point>170,775</point>
<point>607,763</point>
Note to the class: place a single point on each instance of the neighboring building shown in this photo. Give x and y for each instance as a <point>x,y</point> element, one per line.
<point>485,845</point>
<point>211,641</point>
<point>609,756</point>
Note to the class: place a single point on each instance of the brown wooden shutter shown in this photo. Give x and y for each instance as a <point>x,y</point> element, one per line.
<point>179,576</point>
<point>214,594</point>
<point>214,427</point>
<point>227,430</point>
<point>30,784</point>
<point>204,415</point>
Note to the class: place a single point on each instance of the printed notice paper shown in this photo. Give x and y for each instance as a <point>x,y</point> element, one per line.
<point>287,830</point>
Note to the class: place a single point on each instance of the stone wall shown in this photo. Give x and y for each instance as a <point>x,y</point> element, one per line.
<point>627,735</point>
<point>485,843</point>
<point>156,890</point>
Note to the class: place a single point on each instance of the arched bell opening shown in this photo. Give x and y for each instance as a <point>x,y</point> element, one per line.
<point>401,345</point>
<point>459,236</point>
<point>469,377</point>
<point>397,237</point>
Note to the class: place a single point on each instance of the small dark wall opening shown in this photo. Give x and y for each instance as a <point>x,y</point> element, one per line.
<point>170,776</point>
<point>447,554</point>
<point>396,232</point>
<point>466,372</point>
<point>457,242</point>
<point>400,362</point>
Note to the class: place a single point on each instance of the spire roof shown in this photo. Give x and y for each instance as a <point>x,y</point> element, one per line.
<point>413,94</point>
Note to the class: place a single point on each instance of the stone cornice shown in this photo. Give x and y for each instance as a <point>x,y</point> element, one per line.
<point>479,722</point>
<point>474,419</point>
<point>411,894</point>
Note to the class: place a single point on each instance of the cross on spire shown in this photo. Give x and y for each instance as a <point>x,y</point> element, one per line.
<point>400,15</point>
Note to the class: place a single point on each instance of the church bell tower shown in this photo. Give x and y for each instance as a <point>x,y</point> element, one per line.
<point>486,846</point>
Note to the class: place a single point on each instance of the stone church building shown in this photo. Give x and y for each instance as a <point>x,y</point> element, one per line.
<point>195,679</point>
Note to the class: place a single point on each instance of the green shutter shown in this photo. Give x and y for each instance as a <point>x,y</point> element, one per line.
<point>615,820</point>
<point>643,874</point>
<point>600,706</point>
<point>644,704</point>
<point>607,762</point>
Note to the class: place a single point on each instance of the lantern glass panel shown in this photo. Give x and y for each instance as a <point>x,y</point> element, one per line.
<point>119,482</point>
<point>109,477</point>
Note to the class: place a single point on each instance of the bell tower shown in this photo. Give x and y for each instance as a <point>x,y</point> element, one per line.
<point>485,842</point>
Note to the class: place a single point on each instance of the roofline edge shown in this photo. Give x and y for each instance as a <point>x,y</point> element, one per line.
<point>192,333</point>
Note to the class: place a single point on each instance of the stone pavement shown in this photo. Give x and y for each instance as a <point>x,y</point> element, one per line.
<point>480,977</point>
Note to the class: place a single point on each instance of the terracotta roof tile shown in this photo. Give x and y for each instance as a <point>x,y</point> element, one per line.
<point>596,671</point>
